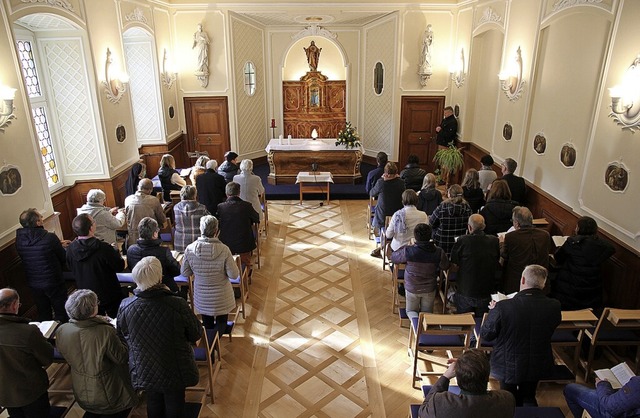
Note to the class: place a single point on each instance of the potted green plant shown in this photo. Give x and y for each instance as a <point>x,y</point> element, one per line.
<point>348,137</point>
<point>450,160</point>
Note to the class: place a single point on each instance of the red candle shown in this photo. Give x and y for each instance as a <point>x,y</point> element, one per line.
<point>273,123</point>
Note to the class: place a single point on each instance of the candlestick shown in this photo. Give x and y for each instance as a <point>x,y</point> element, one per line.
<point>273,123</point>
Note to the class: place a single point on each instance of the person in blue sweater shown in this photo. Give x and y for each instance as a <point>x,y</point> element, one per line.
<point>604,401</point>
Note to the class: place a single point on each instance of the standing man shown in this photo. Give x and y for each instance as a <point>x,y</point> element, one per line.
<point>94,264</point>
<point>24,356</point>
<point>43,258</point>
<point>516,184</point>
<point>447,131</point>
<point>210,186</point>
<point>236,219</point>
<point>526,245</point>
<point>141,205</point>
<point>477,256</point>
<point>522,328</point>
<point>376,173</point>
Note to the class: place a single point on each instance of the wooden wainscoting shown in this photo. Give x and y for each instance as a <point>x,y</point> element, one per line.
<point>621,281</point>
<point>151,155</point>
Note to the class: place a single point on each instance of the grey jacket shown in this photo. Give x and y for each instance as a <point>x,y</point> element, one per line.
<point>106,223</point>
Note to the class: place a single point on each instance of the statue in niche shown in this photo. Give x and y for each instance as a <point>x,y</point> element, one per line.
<point>424,67</point>
<point>201,45</point>
<point>313,56</point>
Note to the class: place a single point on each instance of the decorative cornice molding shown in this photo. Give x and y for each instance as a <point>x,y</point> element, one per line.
<point>563,4</point>
<point>59,3</point>
<point>490,15</point>
<point>136,16</point>
<point>314,30</point>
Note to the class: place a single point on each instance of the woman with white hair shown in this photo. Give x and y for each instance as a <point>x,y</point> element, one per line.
<point>98,359</point>
<point>188,213</point>
<point>250,186</point>
<point>212,264</point>
<point>159,328</point>
<point>107,219</point>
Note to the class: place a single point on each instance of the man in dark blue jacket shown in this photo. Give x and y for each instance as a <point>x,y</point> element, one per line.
<point>43,258</point>
<point>236,219</point>
<point>522,328</point>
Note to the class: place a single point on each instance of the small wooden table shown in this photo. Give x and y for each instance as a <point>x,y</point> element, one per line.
<point>311,182</point>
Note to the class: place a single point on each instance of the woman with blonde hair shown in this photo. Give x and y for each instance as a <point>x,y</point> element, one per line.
<point>472,191</point>
<point>429,197</point>
<point>198,168</point>
<point>169,177</point>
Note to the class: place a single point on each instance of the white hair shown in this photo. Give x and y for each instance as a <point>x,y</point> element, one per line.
<point>147,273</point>
<point>212,165</point>
<point>246,165</point>
<point>96,196</point>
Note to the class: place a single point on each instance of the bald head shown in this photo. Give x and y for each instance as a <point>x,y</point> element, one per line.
<point>9,301</point>
<point>476,222</point>
<point>145,186</point>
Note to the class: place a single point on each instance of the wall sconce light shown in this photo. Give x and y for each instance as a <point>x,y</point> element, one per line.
<point>511,79</point>
<point>168,75</point>
<point>314,134</point>
<point>7,94</point>
<point>625,98</point>
<point>115,83</point>
<point>457,70</point>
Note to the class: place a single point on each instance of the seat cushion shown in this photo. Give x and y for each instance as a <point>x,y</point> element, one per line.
<point>618,335</point>
<point>538,412</point>
<point>564,336</point>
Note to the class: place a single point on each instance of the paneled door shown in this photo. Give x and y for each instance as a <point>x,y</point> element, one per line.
<point>420,115</point>
<point>207,121</point>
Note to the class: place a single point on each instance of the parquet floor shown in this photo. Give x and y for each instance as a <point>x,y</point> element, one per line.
<point>319,339</point>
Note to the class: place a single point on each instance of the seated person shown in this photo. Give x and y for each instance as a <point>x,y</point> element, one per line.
<point>429,197</point>
<point>412,174</point>
<point>424,261</point>
<point>187,216</point>
<point>169,177</point>
<point>604,401</point>
<point>107,219</point>
<point>198,168</point>
<point>471,371</point>
<point>98,359</point>
<point>450,218</point>
<point>402,223</point>
<point>150,245</point>
<point>578,284</point>
<point>229,167</point>
<point>498,210</point>
<point>472,191</point>
<point>376,173</point>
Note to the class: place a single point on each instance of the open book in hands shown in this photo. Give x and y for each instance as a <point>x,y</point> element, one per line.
<point>501,296</point>
<point>618,375</point>
<point>47,328</point>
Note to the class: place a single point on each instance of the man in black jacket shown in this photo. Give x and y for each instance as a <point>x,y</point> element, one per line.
<point>94,264</point>
<point>236,219</point>
<point>447,131</point>
<point>159,328</point>
<point>522,328</point>
<point>150,245</point>
<point>210,186</point>
<point>43,258</point>
<point>477,256</point>
<point>516,184</point>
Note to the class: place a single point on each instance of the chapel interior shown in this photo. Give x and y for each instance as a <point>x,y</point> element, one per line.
<point>88,88</point>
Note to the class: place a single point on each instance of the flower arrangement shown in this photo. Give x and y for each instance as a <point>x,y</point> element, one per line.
<point>348,137</point>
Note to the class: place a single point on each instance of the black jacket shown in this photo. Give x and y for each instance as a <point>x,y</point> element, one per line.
<point>151,247</point>
<point>228,169</point>
<point>475,198</point>
<point>578,284</point>
<point>94,264</point>
<point>517,187</point>
<point>165,174</point>
<point>210,186</point>
<point>236,219</point>
<point>448,133</point>
<point>413,176</point>
<point>522,329</point>
<point>497,214</point>
<point>389,193</point>
<point>477,256</point>
<point>429,199</point>
<point>43,257</point>
<point>159,328</point>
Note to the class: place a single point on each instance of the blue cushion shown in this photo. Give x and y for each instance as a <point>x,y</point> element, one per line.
<point>235,281</point>
<point>57,356</point>
<point>125,277</point>
<point>402,313</point>
<point>538,412</point>
<point>438,340</point>
<point>415,408</point>
<point>191,409</point>
<point>181,279</point>
<point>166,237</point>
<point>618,335</point>
<point>453,389</point>
<point>564,336</point>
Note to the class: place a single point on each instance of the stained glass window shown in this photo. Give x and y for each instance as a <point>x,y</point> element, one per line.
<point>46,149</point>
<point>29,68</point>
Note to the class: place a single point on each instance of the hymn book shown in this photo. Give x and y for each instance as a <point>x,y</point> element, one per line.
<point>618,375</point>
<point>46,327</point>
<point>501,296</point>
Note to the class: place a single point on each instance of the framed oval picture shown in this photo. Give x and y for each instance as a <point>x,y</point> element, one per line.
<point>121,133</point>
<point>172,112</point>
<point>10,180</point>
<point>540,143</point>
<point>568,155</point>
<point>616,177</point>
<point>507,131</point>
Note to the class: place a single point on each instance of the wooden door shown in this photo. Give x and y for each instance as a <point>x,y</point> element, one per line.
<point>207,121</point>
<point>420,115</point>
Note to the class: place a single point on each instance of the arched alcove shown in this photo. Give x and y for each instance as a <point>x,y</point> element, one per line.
<point>332,62</point>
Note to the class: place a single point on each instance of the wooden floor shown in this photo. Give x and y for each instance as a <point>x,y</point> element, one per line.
<point>319,339</point>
